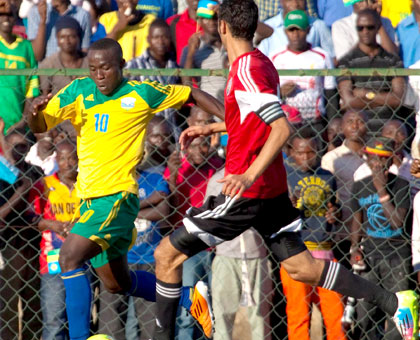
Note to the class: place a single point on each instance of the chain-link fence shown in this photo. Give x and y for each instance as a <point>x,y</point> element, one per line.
<point>348,163</point>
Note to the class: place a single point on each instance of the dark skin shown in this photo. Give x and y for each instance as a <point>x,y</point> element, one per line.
<point>298,44</point>
<point>24,183</point>
<point>39,43</point>
<point>127,15</point>
<point>355,98</point>
<point>395,130</point>
<point>67,173</point>
<point>416,9</point>
<point>210,36</point>
<point>6,26</point>
<point>380,170</point>
<point>159,40</point>
<point>105,67</point>
<point>354,130</point>
<point>292,5</point>
<point>304,154</point>
<point>386,41</point>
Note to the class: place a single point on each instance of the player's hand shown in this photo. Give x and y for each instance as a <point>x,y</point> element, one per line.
<point>42,10</point>
<point>331,214</point>
<point>235,185</point>
<point>194,42</point>
<point>415,168</point>
<point>40,103</point>
<point>189,134</point>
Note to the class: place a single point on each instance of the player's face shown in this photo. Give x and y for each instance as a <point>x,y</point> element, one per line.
<point>6,23</point>
<point>304,153</point>
<point>297,39</point>
<point>293,5</point>
<point>198,151</point>
<point>105,70</point>
<point>367,30</point>
<point>68,40</point>
<point>159,40</point>
<point>67,161</point>
<point>354,126</point>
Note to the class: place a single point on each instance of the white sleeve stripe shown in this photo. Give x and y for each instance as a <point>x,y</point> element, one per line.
<point>242,77</point>
<point>273,117</point>
<point>248,74</point>
<point>270,112</point>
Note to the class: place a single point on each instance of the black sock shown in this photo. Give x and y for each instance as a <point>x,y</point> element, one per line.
<point>167,299</point>
<point>337,278</point>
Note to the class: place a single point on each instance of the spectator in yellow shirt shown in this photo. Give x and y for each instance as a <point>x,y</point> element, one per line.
<point>128,26</point>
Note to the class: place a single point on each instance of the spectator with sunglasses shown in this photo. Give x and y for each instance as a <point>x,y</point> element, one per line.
<point>344,33</point>
<point>379,96</point>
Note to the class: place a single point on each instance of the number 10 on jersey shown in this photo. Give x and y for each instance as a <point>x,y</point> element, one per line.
<point>101,122</point>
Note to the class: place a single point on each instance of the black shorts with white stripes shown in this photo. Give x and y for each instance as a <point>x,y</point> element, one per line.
<point>223,218</point>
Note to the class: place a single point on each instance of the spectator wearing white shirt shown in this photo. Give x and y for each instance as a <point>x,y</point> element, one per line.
<point>304,93</point>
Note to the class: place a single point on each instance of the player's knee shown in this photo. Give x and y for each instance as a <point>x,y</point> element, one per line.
<point>68,261</point>
<point>166,256</point>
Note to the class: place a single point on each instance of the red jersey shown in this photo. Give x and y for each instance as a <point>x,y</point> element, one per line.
<point>252,104</point>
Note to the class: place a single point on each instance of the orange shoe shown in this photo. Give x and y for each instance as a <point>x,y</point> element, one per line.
<point>201,308</point>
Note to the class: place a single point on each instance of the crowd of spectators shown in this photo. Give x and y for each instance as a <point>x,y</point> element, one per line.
<point>352,161</point>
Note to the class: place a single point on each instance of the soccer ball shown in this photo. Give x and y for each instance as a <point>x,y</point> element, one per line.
<point>101,337</point>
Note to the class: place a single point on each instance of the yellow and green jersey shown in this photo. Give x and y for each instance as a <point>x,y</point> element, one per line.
<point>111,129</point>
<point>15,89</point>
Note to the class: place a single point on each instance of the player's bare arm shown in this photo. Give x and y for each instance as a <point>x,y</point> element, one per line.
<point>36,119</point>
<point>207,102</point>
<point>188,135</point>
<point>235,185</point>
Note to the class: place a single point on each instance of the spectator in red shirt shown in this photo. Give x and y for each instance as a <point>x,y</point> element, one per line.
<point>183,26</point>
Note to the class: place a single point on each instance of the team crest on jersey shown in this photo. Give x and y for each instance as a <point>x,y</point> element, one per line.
<point>229,86</point>
<point>128,103</point>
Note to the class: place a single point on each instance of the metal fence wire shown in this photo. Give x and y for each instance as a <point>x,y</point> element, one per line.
<point>344,144</point>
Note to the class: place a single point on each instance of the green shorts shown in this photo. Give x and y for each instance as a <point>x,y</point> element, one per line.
<point>109,221</point>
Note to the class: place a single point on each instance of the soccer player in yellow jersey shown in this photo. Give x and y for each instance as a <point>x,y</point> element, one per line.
<point>110,115</point>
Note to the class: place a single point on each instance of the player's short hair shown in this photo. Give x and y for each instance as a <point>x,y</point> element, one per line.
<point>241,16</point>
<point>109,45</point>
<point>371,12</point>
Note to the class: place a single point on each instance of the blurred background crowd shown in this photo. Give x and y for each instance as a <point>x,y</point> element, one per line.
<point>355,139</point>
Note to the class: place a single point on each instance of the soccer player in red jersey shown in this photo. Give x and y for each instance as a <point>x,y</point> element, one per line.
<point>255,190</point>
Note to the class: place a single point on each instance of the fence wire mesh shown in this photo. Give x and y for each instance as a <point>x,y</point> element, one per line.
<point>332,179</point>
